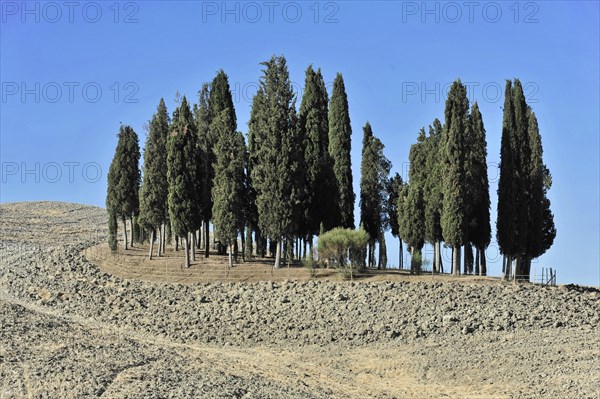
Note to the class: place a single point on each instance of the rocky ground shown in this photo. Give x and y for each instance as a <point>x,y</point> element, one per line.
<point>69,330</point>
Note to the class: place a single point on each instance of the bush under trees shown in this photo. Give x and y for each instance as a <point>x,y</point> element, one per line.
<point>339,248</point>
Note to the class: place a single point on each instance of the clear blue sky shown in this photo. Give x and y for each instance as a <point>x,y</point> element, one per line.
<point>71,75</point>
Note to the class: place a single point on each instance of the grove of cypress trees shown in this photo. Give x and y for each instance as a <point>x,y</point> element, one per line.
<point>525,224</point>
<point>454,219</point>
<point>153,198</point>
<point>183,175</point>
<point>340,134</point>
<point>124,178</point>
<point>272,176</point>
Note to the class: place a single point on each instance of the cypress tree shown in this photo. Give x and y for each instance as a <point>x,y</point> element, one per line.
<point>403,224</point>
<point>454,220</point>
<point>415,202</point>
<point>272,176</point>
<point>373,189</point>
<point>525,225</point>
<point>394,187</point>
<point>340,135</point>
<point>206,143</point>
<point>153,198</point>
<point>313,126</point>
<point>479,227</point>
<point>506,221</point>
<point>183,174</point>
<point>433,192</point>
<point>522,167</point>
<point>256,128</point>
<point>541,229</point>
<point>228,188</point>
<point>124,178</point>
<point>217,99</point>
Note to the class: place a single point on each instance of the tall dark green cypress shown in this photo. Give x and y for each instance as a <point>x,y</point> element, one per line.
<point>394,187</point>
<point>433,192</point>
<point>513,210</point>
<point>403,216</point>
<point>373,189</point>
<point>506,221</point>
<point>522,170</point>
<point>272,176</point>
<point>206,145</point>
<point>415,205</point>
<point>183,173</point>
<point>256,128</point>
<point>541,229</point>
<point>340,137</point>
<point>153,198</point>
<point>479,226</point>
<point>313,125</point>
<point>124,178</point>
<point>228,189</point>
<point>454,220</point>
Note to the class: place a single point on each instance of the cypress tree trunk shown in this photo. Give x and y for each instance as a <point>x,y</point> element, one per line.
<point>206,238</point>
<point>438,254</point>
<point>187,252</point>
<point>303,248</point>
<point>230,256</point>
<point>527,268</point>
<point>235,250</point>
<point>193,246</point>
<point>277,255</point>
<point>483,269</point>
<point>112,230</point>
<point>261,244</point>
<point>248,243</point>
<point>160,240</point>
<point>477,269</point>
<point>456,250</point>
<point>400,260</point>
<point>243,236</point>
<point>176,243</point>
<point>382,254</point>
<point>125,232</point>
<point>132,229</point>
<point>151,244</point>
<point>468,261</point>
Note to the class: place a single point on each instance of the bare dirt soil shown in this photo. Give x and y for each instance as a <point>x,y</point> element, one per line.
<point>78,322</point>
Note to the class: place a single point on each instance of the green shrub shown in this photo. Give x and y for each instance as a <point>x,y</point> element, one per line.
<point>340,247</point>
